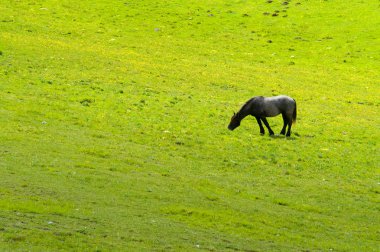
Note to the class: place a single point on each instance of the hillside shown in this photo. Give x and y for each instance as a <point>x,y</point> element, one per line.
<point>114,122</point>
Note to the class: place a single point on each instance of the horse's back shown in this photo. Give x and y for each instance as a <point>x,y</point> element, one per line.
<point>280,104</point>
<point>269,106</point>
<point>281,100</point>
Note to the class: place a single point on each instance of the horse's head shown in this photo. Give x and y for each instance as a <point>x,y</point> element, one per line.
<point>235,122</point>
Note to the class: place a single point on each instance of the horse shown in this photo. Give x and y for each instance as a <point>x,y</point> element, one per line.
<point>261,107</point>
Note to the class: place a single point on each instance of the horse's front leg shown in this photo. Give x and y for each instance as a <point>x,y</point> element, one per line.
<point>267,125</point>
<point>262,131</point>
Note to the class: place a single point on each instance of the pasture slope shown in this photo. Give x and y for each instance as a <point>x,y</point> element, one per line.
<point>114,118</point>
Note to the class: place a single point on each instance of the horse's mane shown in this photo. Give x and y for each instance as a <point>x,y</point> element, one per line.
<point>246,104</point>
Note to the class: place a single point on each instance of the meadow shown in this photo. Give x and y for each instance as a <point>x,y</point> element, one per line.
<point>114,119</point>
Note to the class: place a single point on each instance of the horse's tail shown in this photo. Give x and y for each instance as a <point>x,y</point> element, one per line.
<point>294,112</point>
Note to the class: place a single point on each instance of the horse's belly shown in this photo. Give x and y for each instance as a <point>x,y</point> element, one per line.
<point>272,111</point>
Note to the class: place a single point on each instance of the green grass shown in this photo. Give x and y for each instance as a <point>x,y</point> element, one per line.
<point>114,126</point>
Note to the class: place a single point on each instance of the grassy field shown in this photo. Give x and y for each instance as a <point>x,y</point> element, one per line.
<point>114,119</point>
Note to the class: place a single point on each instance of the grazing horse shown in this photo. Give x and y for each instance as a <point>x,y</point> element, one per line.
<point>261,107</point>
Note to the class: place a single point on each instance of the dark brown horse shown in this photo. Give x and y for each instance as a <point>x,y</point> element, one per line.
<point>261,107</point>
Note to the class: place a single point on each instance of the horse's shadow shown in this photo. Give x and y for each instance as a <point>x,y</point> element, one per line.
<point>279,136</point>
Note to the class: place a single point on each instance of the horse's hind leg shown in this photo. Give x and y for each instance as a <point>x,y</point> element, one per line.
<point>267,125</point>
<point>262,131</point>
<point>286,121</point>
<point>289,127</point>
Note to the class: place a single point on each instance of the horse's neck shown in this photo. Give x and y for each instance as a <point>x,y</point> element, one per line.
<point>243,113</point>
